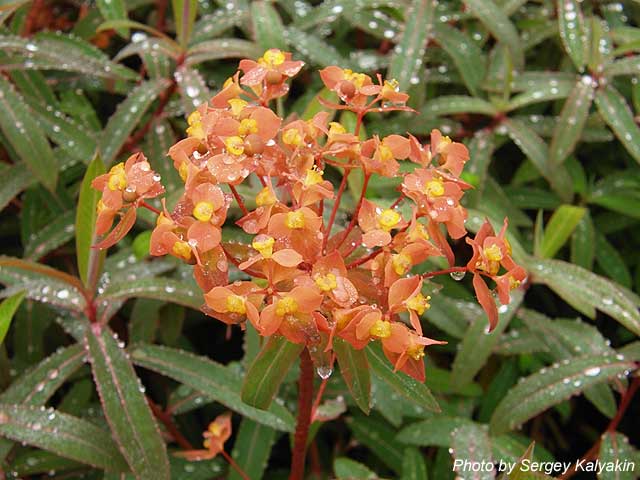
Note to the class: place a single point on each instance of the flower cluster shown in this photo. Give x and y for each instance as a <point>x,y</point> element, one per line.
<point>307,275</point>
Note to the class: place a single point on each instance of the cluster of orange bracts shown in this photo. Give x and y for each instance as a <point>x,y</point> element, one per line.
<point>308,278</point>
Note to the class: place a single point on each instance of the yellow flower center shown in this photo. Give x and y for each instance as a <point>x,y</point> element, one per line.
<point>265,197</point>
<point>163,220</point>
<point>183,170</point>
<point>264,245</point>
<point>101,207</point>
<point>237,105</point>
<point>419,303</point>
<point>195,128</point>
<point>419,233</point>
<point>385,153</point>
<point>513,283</point>
<point>117,178</point>
<point>390,86</point>
<point>336,128</point>
<point>356,78</point>
<point>416,351</point>
<point>235,304</point>
<point>401,263</point>
<point>444,142</point>
<point>380,329</point>
<point>295,220</point>
<point>228,82</point>
<point>313,177</point>
<point>327,282</point>
<point>247,126</point>
<point>203,211</point>
<point>434,188</point>
<point>292,137</point>
<point>493,253</point>
<point>272,58</point>
<point>182,250</point>
<point>388,219</point>
<point>215,429</point>
<point>234,144</point>
<point>286,306</point>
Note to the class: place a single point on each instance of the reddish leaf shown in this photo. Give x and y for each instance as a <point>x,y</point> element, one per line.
<point>120,230</point>
<point>486,300</point>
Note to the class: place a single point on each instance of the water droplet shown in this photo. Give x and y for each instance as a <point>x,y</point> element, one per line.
<point>457,276</point>
<point>324,371</point>
<point>592,372</point>
<point>63,294</point>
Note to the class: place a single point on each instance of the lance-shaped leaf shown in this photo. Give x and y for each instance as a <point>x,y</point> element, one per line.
<point>498,23</point>
<point>13,180</point>
<point>552,385</point>
<point>585,291</point>
<point>573,31</point>
<point>221,48</point>
<point>315,49</point>
<point>50,237</point>
<point>583,243</point>
<point>611,261</point>
<point>182,293</point>
<point>126,118</point>
<point>184,12</point>
<point>559,228</point>
<point>409,53</point>
<point>541,91</point>
<point>216,23</point>
<point>24,135</point>
<point>210,379</point>
<point>402,383</point>
<point>572,120</point>
<point>114,10</point>
<point>470,442</point>
<point>67,436</point>
<point>268,30</point>
<point>433,432</point>
<point>252,449</point>
<point>347,468</point>
<point>125,407</point>
<point>450,104</point>
<point>614,110</point>
<point>268,370</point>
<point>623,66</point>
<point>616,450</point>
<point>376,435</point>
<point>355,372</point>
<point>8,309</point>
<point>413,465</point>
<point>193,88</point>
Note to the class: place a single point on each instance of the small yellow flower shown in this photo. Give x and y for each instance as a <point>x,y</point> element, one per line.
<point>327,282</point>
<point>380,329</point>
<point>203,211</point>
<point>182,250</point>
<point>235,304</point>
<point>286,306</point>
<point>388,219</point>
<point>295,220</point>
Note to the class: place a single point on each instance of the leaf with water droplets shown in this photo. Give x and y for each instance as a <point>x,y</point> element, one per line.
<point>408,55</point>
<point>268,30</point>
<point>268,370</point>
<point>378,436</point>
<point>13,180</point>
<point>548,387</point>
<point>573,31</point>
<point>67,436</point>
<point>221,48</point>
<point>612,262</point>
<point>126,118</point>
<point>23,134</point>
<point>615,449</point>
<point>214,24</point>
<point>451,104</point>
<point>623,66</point>
<point>345,468</point>
<point>252,449</point>
<point>541,91</point>
<point>583,243</point>
<point>433,432</point>
<point>125,407</point>
<point>354,369</point>
<point>167,289</point>
<point>114,10</point>
<point>470,442</point>
<point>614,110</point>
<point>315,49</point>
<point>209,379</point>
<point>585,291</point>
<point>619,192</point>
<point>8,309</point>
<point>51,236</point>
<point>184,12</point>
<point>193,88</point>
<point>402,383</point>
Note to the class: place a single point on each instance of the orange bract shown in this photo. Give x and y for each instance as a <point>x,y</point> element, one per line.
<point>311,271</point>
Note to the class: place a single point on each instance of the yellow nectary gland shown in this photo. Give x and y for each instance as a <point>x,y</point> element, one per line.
<point>416,351</point>
<point>235,304</point>
<point>389,87</point>
<point>313,177</point>
<point>247,126</point>
<point>401,263</point>
<point>419,303</point>
<point>286,306</point>
<point>356,78</point>
<point>235,145</point>
<point>117,178</point>
<point>182,250</point>
<point>183,170</point>
<point>493,253</point>
<point>385,153</point>
<point>265,197</point>
<point>388,219</point>
<point>434,188</point>
<point>272,58</point>
<point>203,211</point>
<point>295,220</point>
<point>380,329</point>
<point>237,105</point>
<point>292,137</point>
<point>195,128</point>
<point>327,282</point>
<point>419,233</point>
<point>264,245</point>
<point>215,429</point>
<point>101,207</point>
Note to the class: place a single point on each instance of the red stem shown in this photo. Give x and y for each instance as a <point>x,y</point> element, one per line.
<point>238,198</point>
<point>334,211</point>
<point>150,207</point>
<point>305,397</point>
<point>444,272</point>
<point>364,259</point>
<point>166,419</point>
<point>234,465</point>
<point>354,218</point>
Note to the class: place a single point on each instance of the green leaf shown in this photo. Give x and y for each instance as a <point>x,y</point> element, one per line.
<point>268,370</point>
<point>559,228</point>
<point>218,22</point>
<point>615,449</point>
<point>114,10</point>
<point>465,53</point>
<point>583,243</point>
<point>413,466</point>
<point>167,289</point>
<point>268,30</point>
<point>252,449</point>
<point>433,432</point>
<point>409,53</point>
<point>402,383</point>
<point>184,11</point>
<point>477,344</point>
<point>355,372</point>
<point>550,386</point>
<point>572,120</point>
<point>67,436</point>
<point>23,134</point>
<point>8,309</point>
<point>611,261</point>
<point>498,23</point>
<point>573,31</point>
<point>315,49</point>
<point>586,291</point>
<point>193,88</point>
<point>451,104</point>
<point>470,443</point>
<point>208,378</point>
<point>539,91</point>
<point>126,118</point>
<point>51,236</point>
<point>13,180</point>
<point>378,437</point>
<point>125,407</point>
<point>614,110</point>
<point>347,469</point>
<point>623,66</point>
<point>221,48</point>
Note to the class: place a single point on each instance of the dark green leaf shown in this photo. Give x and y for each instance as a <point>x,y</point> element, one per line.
<point>8,309</point>
<point>614,110</point>
<point>185,12</point>
<point>268,30</point>
<point>573,31</point>
<point>470,443</point>
<point>182,293</point>
<point>413,465</point>
<point>252,449</point>
<point>379,438</point>
<point>355,371</point>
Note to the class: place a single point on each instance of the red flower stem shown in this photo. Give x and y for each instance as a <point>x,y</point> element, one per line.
<point>444,272</point>
<point>354,217</point>
<point>150,207</point>
<point>305,397</point>
<point>238,198</point>
<point>234,465</point>
<point>336,205</point>
<point>364,259</point>
<point>166,419</point>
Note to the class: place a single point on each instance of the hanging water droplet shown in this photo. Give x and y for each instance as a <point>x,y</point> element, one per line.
<point>324,371</point>
<point>457,276</point>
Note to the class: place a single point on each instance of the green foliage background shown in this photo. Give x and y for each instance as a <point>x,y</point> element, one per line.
<point>546,96</point>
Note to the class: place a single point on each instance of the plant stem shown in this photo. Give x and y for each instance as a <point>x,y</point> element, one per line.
<point>238,198</point>
<point>305,398</point>
<point>443,272</point>
<point>336,205</point>
<point>234,465</point>
<point>166,419</point>
<point>354,218</point>
<point>150,207</point>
